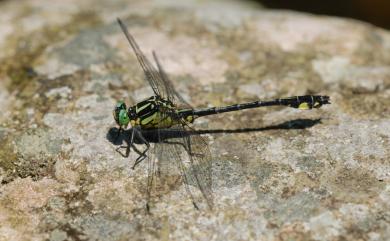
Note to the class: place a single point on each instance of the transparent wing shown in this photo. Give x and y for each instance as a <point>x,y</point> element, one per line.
<point>200,169</point>
<point>151,74</point>
<point>180,157</point>
<point>161,178</point>
<point>186,154</point>
<point>158,80</point>
<point>151,181</point>
<point>171,91</point>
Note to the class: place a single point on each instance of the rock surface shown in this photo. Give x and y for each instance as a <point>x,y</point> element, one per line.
<point>293,177</point>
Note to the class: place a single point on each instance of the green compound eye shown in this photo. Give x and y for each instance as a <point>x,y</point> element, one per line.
<point>123,118</point>
<point>120,114</point>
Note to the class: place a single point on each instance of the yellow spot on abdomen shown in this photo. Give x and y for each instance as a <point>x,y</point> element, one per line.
<point>303,106</point>
<point>190,119</point>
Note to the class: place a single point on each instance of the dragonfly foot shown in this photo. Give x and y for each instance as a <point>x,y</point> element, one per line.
<point>148,208</point>
<point>138,160</point>
<point>195,206</point>
<point>127,151</point>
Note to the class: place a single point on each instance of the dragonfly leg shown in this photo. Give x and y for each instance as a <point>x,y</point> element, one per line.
<point>195,206</point>
<point>142,155</point>
<point>139,160</point>
<point>129,144</point>
<point>127,150</point>
<point>148,208</point>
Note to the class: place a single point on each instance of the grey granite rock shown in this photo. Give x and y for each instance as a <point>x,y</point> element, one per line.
<point>298,175</point>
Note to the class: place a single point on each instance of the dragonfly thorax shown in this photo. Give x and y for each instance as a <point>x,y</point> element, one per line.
<point>152,113</point>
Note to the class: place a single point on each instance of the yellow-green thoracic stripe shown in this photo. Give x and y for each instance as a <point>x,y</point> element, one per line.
<point>154,113</point>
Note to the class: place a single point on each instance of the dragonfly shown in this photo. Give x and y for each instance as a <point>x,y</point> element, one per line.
<point>168,110</point>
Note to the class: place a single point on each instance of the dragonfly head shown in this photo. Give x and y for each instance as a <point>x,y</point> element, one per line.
<point>120,114</point>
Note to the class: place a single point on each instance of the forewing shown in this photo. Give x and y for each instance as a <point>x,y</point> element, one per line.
<point>151,74</point>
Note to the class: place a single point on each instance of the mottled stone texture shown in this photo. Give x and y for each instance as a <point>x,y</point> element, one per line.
<point>296,175</point>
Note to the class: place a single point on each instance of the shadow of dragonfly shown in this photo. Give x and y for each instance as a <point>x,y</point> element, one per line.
<point>154,136</point>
